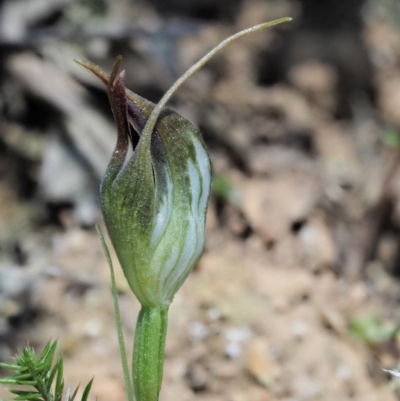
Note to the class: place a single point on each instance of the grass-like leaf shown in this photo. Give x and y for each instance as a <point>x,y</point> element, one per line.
<point>72,397</point>
<point>87,391</point>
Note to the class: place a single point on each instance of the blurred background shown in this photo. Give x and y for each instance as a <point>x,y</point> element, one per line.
<point>297,294</point>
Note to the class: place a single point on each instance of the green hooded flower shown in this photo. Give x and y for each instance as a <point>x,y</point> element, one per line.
<point>154,205</point>
<point>154,202</point>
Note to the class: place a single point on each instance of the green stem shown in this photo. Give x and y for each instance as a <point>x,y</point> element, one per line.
<point>39,384</point>
<point>148,352</point>
<point>118,321</point>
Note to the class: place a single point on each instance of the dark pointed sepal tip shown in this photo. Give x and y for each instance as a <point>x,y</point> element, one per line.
<point>104,77</point>
<point>114,71</point>
<point>119,106</point>
<point>117,97</point>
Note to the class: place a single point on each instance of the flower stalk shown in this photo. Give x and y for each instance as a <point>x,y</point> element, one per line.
<point>148,352</point>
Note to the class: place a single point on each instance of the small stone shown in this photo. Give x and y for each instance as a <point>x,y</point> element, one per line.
<point>214,314</point>
<point>237,334</point>
<point>233,350</point>
<point>93,328</point>
<point>306,388</point>
<point>12,281</point>
<point>197,377</point>
<point>197,330</point>
<point>299,329</point>
<point>235,337</point>
<point>260,364</point>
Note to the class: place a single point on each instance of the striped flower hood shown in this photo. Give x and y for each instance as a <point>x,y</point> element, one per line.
<point>154,202</point>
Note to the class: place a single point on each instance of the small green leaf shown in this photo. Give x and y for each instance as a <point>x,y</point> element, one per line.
<point>58,393</point>
<point>87,391</point>
<point>23,376</point>
<point>29,397</point>
<point>17,382</point>
<point>49,356</point>
<point>59,388</point>
<point>372,330</point>
<point>11,367</point>
<point>223,188</point>
<point>52,374</point>
<point>391,138</point>
<point>50,346</point>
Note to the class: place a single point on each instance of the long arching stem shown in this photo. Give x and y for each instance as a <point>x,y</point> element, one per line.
<point>151,122</point>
